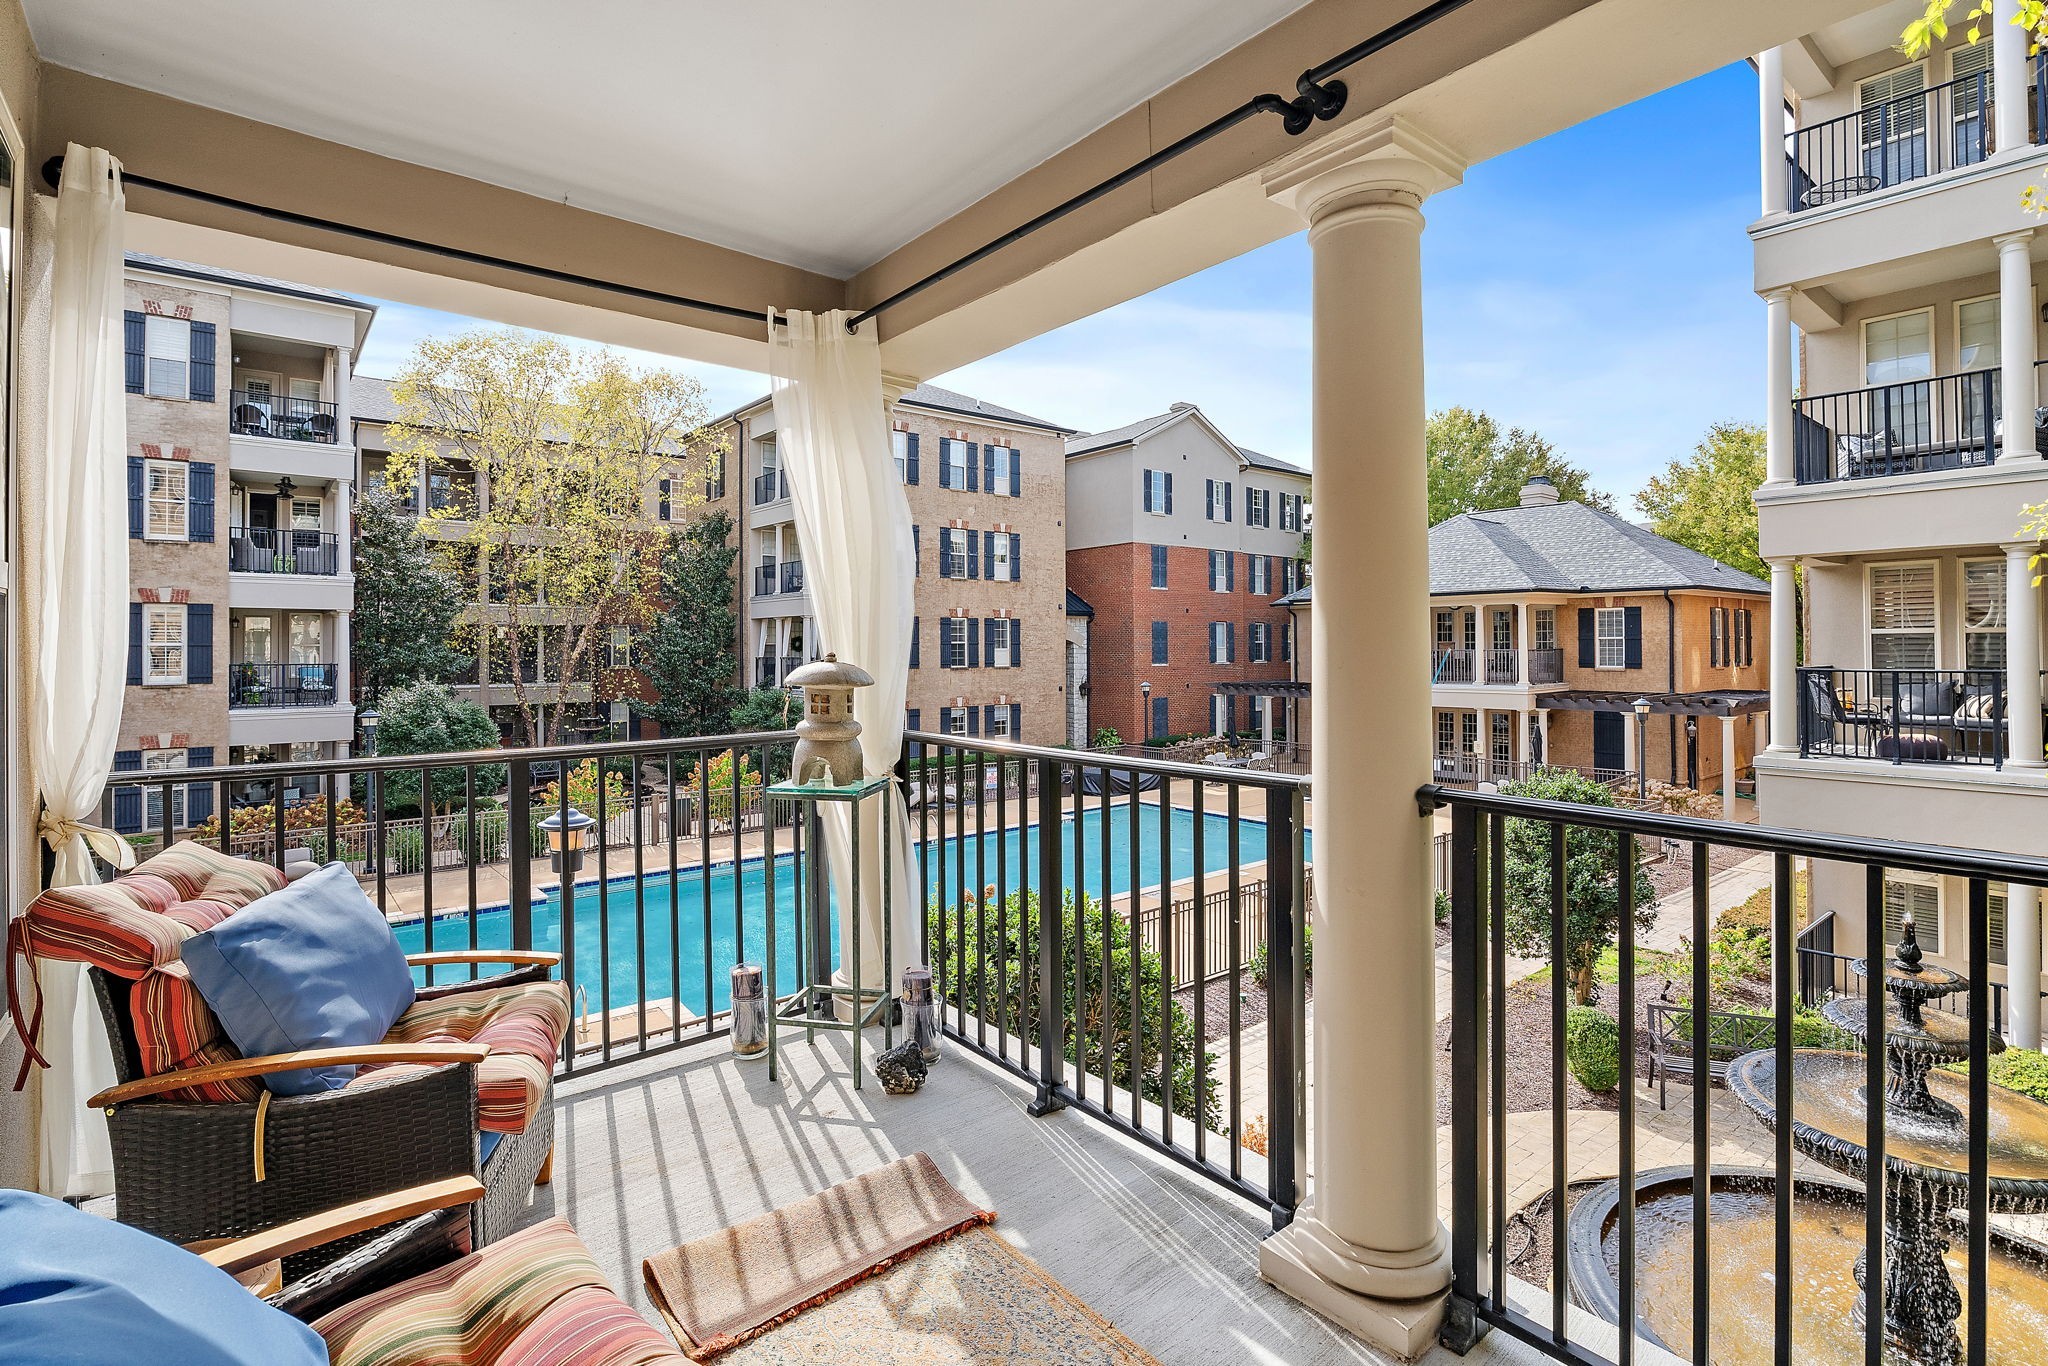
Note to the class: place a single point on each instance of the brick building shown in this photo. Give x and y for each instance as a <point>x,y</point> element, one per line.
<point>1181,540</point>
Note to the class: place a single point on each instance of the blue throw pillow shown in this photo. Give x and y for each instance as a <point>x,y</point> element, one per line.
<point>76,1288</point>
<point>314,965</point>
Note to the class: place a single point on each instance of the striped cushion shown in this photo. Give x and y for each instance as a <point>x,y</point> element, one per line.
<point>202,871</point>
<point>535,1297</point>
<point>137,921</point>
<point>174,1028</point>
<point>523,1025</point>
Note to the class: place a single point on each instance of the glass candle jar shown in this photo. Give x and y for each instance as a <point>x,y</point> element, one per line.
<point>921,1011</point>
<point>749,1013</point>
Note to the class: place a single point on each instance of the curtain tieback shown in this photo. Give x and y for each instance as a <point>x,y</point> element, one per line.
<point>61,830</point>
<point>19,950</point>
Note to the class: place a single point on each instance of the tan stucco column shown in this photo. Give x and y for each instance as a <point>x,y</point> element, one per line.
<point>2009,42</point>
<point>1367,1249</point>
<point>1780,459</point>
<point>2022,658</point>
<point>1770,86</point>
<point>2016,345</point>
<point>1784,657</point>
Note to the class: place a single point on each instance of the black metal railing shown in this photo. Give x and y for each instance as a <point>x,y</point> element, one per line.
<point>1900,140</point>
<point>282,685</point>
<point>764,580</point>
<point>1946,422</point>
<point>281,416</point>
<point>1503,666</point>
<point>1941,716</point>
<point>1546,666</point>
<point>1512,860</point>
<point>1062,903</point>
<point>770,487</point>
<point>764,671</point>
<point>792,576</point>
<point>274,550</point>
<point>790,664</point>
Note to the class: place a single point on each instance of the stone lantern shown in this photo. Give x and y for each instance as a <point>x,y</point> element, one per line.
<point>828,738</point>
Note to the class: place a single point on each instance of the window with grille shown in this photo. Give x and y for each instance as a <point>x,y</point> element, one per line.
<point>163,642</point>
<point>165,500</point>
<point>163,761</point>
<point>1259,569</point>
<point>1546,628</point>
<point>1503,629</point>
<point>1503,737</point>
<point>1984,614</point>
<point>1909,894</point>
<point>953,633</point>
<point>1902,616</point>
<point>1262,643</point>
<point>899,450</point>
<point>1469,731</point>
<point>1159,566</point>
<point>167,345</point>
<point>1002,459</point>
<point>1610,638</point>
<point>1257,507</point>
<point>1446,732</point>
<point>956,462</point>
<point>1219,571</point>
<point>1000,566</point>
<point>999,629</point>
<point>956,554</point>
<point>1159,642</point>
<point>999,722</point>
<point>956,720</point>
<point>1446,630</point>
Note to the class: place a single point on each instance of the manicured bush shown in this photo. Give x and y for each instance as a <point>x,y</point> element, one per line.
<point>2018,1069</point>
<point>1443,906</point>
<point>1258,965</point>
<point>1592,1048</point>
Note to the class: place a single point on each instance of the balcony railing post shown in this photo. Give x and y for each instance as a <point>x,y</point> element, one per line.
<point>1051,940</point>
<point>519,848</point>
<point>1464,1327</point>
<point>1285,1083</point>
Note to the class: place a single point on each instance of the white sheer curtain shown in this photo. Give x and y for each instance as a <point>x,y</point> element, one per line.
<point>78,535</point>
<point>853,523</point>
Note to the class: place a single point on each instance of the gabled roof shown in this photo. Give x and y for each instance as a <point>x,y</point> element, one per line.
<point>1077,606</point>
<point>932,397</point>
<point>1567,548</point>
<point>1088,443</point>
<point>164,265</point>
<point>1085,442</point>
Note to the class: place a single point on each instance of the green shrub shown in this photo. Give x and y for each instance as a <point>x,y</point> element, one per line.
<point>1106,738</point>
<point>1592,1048</point>
<point>986,957</point>
<point>1443,906</point>
<point>2018,1069</point>
<point>1259,966</point>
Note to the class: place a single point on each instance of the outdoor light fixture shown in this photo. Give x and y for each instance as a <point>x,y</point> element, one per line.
<point>1642,708</point>
<point>567,838</point>
<point>285,488</point>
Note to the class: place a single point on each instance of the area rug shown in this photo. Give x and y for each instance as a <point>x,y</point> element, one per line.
<point>895,1265</point>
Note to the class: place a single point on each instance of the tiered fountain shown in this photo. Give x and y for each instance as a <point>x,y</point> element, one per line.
<point>1926,1170</point>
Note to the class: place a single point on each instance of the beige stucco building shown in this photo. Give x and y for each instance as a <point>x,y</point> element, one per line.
<point>1894,242</point>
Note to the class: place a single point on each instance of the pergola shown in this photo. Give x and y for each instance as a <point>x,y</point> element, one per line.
<point>528,163</point>
<point>1726,703</point>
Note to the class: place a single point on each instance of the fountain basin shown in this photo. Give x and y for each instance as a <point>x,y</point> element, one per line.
<point>1827,1235</point>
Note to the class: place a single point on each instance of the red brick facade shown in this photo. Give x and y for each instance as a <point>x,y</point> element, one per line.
<point>1116,581</point>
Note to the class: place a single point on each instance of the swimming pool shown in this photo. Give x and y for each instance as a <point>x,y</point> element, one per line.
<point>645,961</point>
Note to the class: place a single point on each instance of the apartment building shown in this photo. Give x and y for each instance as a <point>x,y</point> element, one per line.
<point>239,483</point>
<point>1899,266</point>
<point>1552,620</point>
<point>990,651</point>
<point>1180,540</point>
<point>450,484</point>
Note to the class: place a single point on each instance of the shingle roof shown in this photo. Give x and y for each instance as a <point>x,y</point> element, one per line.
<point>369,400</point>
<point>1270,462</point>
<point>946,400</point>
<point>1567,548</point>
<point>1118,436</point>
<point>1077,606</point>
<point>1298,598</point>
<point>165,265</point>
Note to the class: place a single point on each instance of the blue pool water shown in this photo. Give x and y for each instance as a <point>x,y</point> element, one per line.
<point>642,956</point>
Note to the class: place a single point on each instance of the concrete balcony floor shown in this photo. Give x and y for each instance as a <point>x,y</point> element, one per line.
<point>653,1153</point>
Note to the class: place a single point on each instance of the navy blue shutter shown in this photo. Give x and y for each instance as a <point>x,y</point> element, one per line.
<point>913,642</point>
<point>1016,555</point>
<point>664,500</point>
<point>973,555</point>
<point>135,642</point>
<point>945,463</point>
<point>910,462</point>
<point>1169,493</point>
<point>1158,642</point>
<point>135,498</point>
<point>199,501</point>
<point>973,642</point>
<point>200,384</point>
<point>198,796</point>
<point>913,719</point>
<point>988,631</point>
<point>1160,719</point>
<point>1229,642</point>
<point>945,550</point>
<point>133,331</point>
<point>199,643</point>
<point>973,468</point>
<point>1016,643</point>
<point>1586,638</point>
<point>1634,636</point>
<point>1226,504</point>
<point>973,720</point>
<point>988,468</point>
<point>916,554</point>
<point>1209,499</point>
<point>1148,491</point>
<point>1229,562</point>
<point>1017,721</point>
<point>988,553</point>
<point>988,719</point>
<point>128,800</point>
<point>1016,473</point>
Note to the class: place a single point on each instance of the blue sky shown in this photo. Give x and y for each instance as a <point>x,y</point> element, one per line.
<point>1593,287</point>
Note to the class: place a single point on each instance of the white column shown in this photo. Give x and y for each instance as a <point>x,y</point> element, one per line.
<point>2023,973</point>
<point>1367,1248</point>
<point>1728,768</point>
<point>1525,639</point>
<point>343,414</point>
<point>1770,88</point>
<point>1630,760</point>
<point>1543,733</point>
<point>1780,464</point>
<point>2022,659</point>
<point>1266,725</point>
<point>2016,388</point>
<point>1784,657</point>
<point>2009,43</point>
<point>1522,756</point>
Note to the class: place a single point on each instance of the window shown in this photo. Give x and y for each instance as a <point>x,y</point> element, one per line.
<point>1000,633</point>
<point>1446,630</point>
<point>956,720</point>
<point>1503,737</point>
<point>1977,334</point>
<point>999,722</point>
<point>1258,507</point>
<point>1984,614</point>
<point>1159,566</point>
<point>1469,726</point>
<point>1717,637</point>
<point>955,455</point>
<point>953,632</point>
<point>899,447</point>
<point>1994,905</point>
<point>1002,465</point>
<point>165,505</point>
<point>167,345</point>
<point>1262,643</point>
<point>1220,575</point>
<point>1159,642</point>
<point>1002,568</point>
<point>1259,574</point>
<point>1222,642</point>
<point>1902,616</point>
<point>1290,512</point>
<point>621,647</point>
<point>1446,732</point>
<point>1893,129</point>
<point>1896,352</point>
<point>163,761</point>
<point>1610,635</point>
<point>306,514</point>
<point>163,642</point>
<point>953,552</point>
<point>1501,629</point>
<point>1546,628</point>
<point>1218,500</point>
<point>1158,493</point>
<point>1286,644</point>
<point>1918,896</point>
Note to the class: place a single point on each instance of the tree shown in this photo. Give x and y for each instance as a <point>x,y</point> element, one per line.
<point>1592,880</point>
<point>567,448</point>
<point>688,654</point>
<point>1705,501</point>
<point>425,717</point>
<point>1476,467</point>
<point>768,709</point>
<point>406,605</point>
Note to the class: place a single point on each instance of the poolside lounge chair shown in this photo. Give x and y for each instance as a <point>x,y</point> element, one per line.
<point>461,1086</point>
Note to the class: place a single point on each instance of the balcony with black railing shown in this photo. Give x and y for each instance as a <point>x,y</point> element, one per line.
<point>1904,716</point>
<point>1915,426</point>
<point>792,576</point>
<point>282,417</point>
<point>770,487</point>
<point>1546,666</point>
<point>764,672</point>
<point>274,550</point>
<point>283,685</point>
<point>765,580</point>
<point>1921,134</point>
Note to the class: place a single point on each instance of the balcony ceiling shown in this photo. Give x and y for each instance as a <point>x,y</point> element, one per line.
<point>1875,30</point>
<point>780,128</point>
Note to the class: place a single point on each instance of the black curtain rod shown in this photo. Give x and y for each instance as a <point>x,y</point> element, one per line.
<point>1318,97</point>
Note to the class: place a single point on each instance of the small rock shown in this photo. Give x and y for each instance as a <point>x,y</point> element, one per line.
<point>901,1069</point>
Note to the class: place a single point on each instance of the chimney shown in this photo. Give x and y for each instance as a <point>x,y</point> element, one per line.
<point>1539,492</point>
<point>1181,408</point>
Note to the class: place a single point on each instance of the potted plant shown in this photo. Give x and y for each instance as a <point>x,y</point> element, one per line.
<point>248,685</point>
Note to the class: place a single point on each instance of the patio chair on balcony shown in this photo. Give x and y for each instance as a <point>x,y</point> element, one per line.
<point>1827,713</point>
<point>461,1085</point>
<point>249,420</point>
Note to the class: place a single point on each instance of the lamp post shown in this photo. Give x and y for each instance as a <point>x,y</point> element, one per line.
<point>368,721</point>
<point>1642,709</point>
<point>1145,709</point>
<point>566,840</point>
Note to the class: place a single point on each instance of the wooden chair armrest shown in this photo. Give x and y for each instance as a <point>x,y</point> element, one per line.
<point>376,1054</point>
<point>523,958</point>
<point>342,1222</point>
